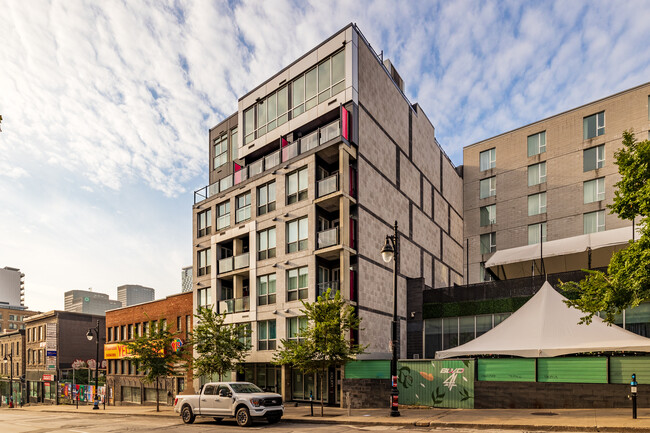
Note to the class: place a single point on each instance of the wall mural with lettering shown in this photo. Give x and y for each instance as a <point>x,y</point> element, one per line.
<point>436,383</point>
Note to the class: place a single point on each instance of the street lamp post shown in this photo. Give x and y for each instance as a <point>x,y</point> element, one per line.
<point>89,336</point>
<point>11,376</point>
<point>390,250</point>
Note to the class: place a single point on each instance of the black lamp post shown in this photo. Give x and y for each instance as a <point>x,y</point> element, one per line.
<point>10,359</point>
<point>390,250</point>
<point>89,336</point>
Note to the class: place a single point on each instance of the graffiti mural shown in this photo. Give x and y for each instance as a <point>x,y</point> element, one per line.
<point>436,383</point>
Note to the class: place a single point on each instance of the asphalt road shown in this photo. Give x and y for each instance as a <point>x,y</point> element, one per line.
<point>13,421</point>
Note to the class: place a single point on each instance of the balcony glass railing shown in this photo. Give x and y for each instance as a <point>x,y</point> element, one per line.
<point>237,305</point>
<point>242,261</point>
<point>328,185</point>
<point>225,265</point>
<point>327,238</point>
<point>300,146</point>
<point>232,263</point>
<point>321,288</point>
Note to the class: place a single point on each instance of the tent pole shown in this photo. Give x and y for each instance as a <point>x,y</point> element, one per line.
<point>541,250</point>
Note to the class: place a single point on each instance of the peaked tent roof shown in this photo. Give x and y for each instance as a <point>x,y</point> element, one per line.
<point>544,327</point>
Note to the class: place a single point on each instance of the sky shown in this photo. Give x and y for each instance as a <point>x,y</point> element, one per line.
<point>107,105</point>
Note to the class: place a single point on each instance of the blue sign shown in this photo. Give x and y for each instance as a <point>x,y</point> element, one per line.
<point>51,353</point>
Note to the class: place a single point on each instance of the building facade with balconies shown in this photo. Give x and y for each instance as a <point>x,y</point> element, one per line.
<point>306,180</point>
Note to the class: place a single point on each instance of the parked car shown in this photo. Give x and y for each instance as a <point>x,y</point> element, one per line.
<point>242,400</point>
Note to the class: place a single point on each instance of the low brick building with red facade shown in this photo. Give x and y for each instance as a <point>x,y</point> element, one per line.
<point>125,324</point>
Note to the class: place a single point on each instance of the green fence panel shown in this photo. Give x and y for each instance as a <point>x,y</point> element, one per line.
<point>506,370</point>
<point>572,370</point>
<point>621,369</point>
<point>372,369</point>
<point>448,384</point>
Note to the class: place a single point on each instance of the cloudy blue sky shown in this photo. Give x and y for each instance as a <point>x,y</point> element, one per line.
<point>107,105</point>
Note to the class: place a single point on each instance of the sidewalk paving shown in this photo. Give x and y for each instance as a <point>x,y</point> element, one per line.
<point>581,420</point>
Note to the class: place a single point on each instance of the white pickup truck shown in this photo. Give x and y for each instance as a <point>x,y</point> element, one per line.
<point>242,400</point>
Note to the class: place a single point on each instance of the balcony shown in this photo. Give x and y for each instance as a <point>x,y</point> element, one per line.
<point>328,238</point>
<point>328,185</point>
<point>321,288</point>
<point>236,305</point>
<point>234,263</point>
<point>268,162</point>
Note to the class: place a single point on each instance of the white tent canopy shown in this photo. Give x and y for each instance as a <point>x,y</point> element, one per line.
<point>544,327</point>
<point>592,250</point>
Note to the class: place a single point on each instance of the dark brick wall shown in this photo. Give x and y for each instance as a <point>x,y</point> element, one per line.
<point>538,395</point>
<point>366,393</point>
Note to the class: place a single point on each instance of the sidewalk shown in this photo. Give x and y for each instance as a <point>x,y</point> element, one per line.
<point>582,420</point>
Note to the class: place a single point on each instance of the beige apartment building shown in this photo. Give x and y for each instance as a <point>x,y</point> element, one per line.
<point>549,182</point>
<point>306,180</point>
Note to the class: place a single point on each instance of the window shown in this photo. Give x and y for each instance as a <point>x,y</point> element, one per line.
<point>234,150</point>
<point>266,244</point>
<point>245,335</point>
<point>204,222</point>
<point>488,187</point>
<point>488,243</point>
<point>179,324</point>
<point>594,190</point>
<point>537,143</point>
<point>266,335</point>
<point>204,262</point>
<point>266,289</point>
<point>593,126</point>
<point>266,198</point>
<point>223,215</point>
<point>536,204</point>
<point>203,297</point>
<point>109,337</point>
<point>130,330</point>
<point>594,222</point>
<point>243,206</point>
<point>318,84</point>
<point>536,174</point>
<point>297,282</point>
<point>593,158</point>
<point>297,235</point>
<point>534,233</point>
<point>220,151</point>
<point>488,159</point>
<point>488,215</point>
<point>188,324</point>
<point>249,125</point>
<point>297,183</point>
<point>295,326</point>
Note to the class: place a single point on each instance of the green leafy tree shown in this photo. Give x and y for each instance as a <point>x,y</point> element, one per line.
<point>221,347</point>
<point>627,280</point>
<point>153,353</point>
<point>324,343</point>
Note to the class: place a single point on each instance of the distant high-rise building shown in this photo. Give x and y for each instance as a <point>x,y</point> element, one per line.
<point>132,294</point>
<point>186,279</point>
<point>12,287</point>
<point>86,301</point>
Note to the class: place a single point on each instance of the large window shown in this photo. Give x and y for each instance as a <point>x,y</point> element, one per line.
<point>234,151</point>
<point>297,234</point>
<point>266,244</point>
<point>297,284</point>
<point>318,84</point>
<point>536,233</point>
<point>266,335</point>
<point>203,297</point>
<point>488,159</point>
<point>249,125</point>
<point>272,111</point>
<point>203,262</point>
<point>536,174</point>
<point>204,222</point>
<point>223,215</point>
<point>488,243</point>
<point>536,204</point>
<point>243,206</point>
<point>297,183</point>
<point>220,151</point>
<point>594,190</point>
<point>594,222</point>
<point>266,289</point>
<point>488,215</point>
<point>266,198</point>
<point>488,187</point>
<point>537,143</point>
<point>593,126</point>
<point>295,327</point>
<point>593,158</point>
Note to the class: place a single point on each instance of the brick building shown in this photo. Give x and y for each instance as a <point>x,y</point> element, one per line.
<point>12,363</point>
<point>125,324</point>
<point>12,318</point>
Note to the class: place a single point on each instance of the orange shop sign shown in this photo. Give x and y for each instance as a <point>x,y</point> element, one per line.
<point>116,351</point>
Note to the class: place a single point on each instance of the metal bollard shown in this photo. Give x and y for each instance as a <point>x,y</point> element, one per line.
<point>633,386</point>
<point>311,402</point>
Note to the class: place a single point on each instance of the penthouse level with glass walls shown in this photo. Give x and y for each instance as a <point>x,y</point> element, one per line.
<point>320,160</point>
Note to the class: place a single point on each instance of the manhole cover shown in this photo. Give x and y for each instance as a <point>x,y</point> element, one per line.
<point>544,413</point>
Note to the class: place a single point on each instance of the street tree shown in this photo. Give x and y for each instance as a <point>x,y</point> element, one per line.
<point>627,280</point>
<point>220,347</point>
<point>323,342</point>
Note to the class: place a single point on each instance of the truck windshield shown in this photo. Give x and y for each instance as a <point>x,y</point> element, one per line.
<point>245,388</point>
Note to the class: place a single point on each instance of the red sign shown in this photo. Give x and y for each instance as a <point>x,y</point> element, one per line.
<point>48,377</point>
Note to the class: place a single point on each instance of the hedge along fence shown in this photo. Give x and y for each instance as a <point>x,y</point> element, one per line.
<point>473,308</point>
<point>600,369</point>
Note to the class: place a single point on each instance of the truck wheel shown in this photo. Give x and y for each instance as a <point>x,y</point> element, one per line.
<point>187,415</point>
<point>244,417</point>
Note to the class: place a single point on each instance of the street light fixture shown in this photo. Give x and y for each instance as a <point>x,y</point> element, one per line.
<point>94,332</point>
<point>388,252</point>
<point>11,377</point>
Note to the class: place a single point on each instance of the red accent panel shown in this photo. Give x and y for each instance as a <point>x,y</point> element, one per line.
<point>344,122</point>
<point>284,142</point>
<point>353,289</point>
<point>237,167</point>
